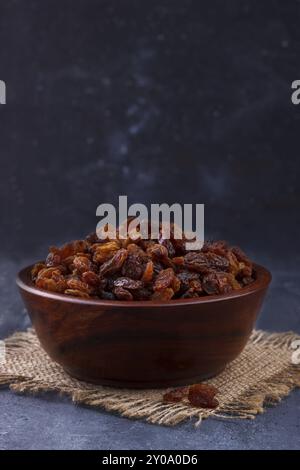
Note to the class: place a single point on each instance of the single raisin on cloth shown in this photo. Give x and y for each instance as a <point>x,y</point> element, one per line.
<point>262,375</point>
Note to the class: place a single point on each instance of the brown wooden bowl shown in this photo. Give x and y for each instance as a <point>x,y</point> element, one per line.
<point>144,344</point>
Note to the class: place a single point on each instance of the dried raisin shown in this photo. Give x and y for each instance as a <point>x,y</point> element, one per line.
<point>114,264</point>
<point>164,279</point>
<point>128,283</point>
<point>122,294</point>
<point>203,396</point>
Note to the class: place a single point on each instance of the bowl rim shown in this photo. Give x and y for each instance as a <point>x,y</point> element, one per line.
<point>263,279</point>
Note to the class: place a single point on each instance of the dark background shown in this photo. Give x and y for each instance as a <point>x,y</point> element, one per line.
<point>164,101</point>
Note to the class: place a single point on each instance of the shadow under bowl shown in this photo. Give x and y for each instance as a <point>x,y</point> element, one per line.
<point>144,344</point>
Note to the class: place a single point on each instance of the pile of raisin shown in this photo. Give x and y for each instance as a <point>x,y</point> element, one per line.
<point>158,270</point>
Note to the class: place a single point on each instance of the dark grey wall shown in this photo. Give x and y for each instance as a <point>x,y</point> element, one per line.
<point>162,101</point>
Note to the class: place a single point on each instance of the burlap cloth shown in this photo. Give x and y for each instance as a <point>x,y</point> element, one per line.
<point>263,374</point>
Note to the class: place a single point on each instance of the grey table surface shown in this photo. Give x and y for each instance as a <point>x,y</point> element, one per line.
<point>52,422</point>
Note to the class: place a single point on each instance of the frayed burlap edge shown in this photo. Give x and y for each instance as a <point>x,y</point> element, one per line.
<point>147,404</point>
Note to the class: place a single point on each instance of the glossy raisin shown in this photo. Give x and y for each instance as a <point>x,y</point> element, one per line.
<point>53,259</point>
<point>82,264</point>
<point>163,295</point>
<point>196,261</point>
<point>203,396</point>
<point>92,279</point>
<point>77,293</point>
<point>157,251</point>
<point>148,272</point>
<point>135,263</point>
<point>76,284</point>
<point>122,294</point>
<point>114,264</point>
<point>169,246</point>
<point>105,295</point>
<point>105,251</point>
<point>36,269</point>
<point>128,283</point>
<point>164,279</point>
<point>142,294</point>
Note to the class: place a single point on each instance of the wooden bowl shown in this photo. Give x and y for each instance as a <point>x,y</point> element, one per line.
<point>144,344</point>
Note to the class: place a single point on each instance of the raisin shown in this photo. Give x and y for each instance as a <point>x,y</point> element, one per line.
<point>148,273</point>
<point>228,279</point>
<point>178,243</point>
<point>70,249</point>
<point>47,284</point>
<point>104,252</point>
<point>122,294</point>
<point>82,264</point>
<point>142,294</point>
<point>157,267</point>
<point>179,246</point>
<point>138,251</point>
<point>186,277</point>
<point>157,251</point>
<point>107,295</point>
<point>244,270</point>
<point>176,284</point>
<point>68,263</point>
<point>234,264</point>
<point>36,269</point>
<point>164,279</point>
<point>47,273</point>
<point>169,246</point>
<point>77,293</point>
<point>189,294</point>
<point>145,244</point>
<point>218,283</point>
<point>51,279</point>
<point>134,265</point>
<point>245,265</point>
<point>84,254</point>
<point>233,282</point>
<point>163,294</point>
<point>168,263</point>
<point>91,278</point>
<point>217,262</point>
<point>196,286</point>
<point>128,283</point>
<point>240,255</point>
<point>176,395</point>
<point>53,259</point>
<point>125,242</point>
<point>218,247</point>
<point>178,260</point>
<point>196,261</point>
<point>247,280</point>
<point>114,264</point>
<point>76,284</point>
<point>92,238</point>
<point>203,396</point>
<point>110,282</point>
<point>210,284</point>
